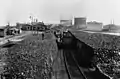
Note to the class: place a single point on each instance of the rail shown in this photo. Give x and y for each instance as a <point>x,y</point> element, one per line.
<point>66,66</point>
<point>76,65</point>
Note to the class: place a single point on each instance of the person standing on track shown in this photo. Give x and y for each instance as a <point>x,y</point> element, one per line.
<point>42,36</point>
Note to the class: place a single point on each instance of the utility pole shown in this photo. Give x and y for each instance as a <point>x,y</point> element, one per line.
<point>113,21</point>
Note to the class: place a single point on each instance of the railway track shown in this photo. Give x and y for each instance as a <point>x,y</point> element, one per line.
<point>78,67</point>
<point>67,67</point>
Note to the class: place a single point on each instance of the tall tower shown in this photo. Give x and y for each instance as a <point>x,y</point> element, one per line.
<point>112,21</point>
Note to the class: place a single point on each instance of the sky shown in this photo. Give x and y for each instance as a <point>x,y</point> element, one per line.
<point>51,11</point>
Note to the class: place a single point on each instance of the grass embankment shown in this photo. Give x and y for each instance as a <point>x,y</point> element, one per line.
<point>30,58</point>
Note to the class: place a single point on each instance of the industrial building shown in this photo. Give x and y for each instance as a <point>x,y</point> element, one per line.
<point>80,22</point>
<point>39,26</point>
<point>95,26</point>
<point>66,22</point>
<point>111,28</point>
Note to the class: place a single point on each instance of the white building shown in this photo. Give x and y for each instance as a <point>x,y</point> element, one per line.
<point>95,26</point>
<point>66,22</point>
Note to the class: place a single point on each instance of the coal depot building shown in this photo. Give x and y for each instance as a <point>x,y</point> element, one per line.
<point>39,26</point>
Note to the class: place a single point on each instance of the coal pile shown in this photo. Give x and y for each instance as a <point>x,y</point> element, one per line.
<point>97,40</point>
<point>107,61</point>
<point>106,50</point>
<point>30,59</point>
